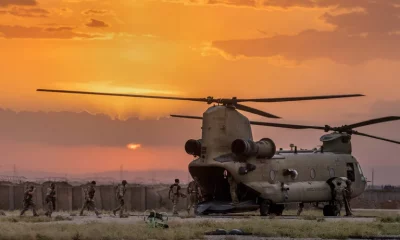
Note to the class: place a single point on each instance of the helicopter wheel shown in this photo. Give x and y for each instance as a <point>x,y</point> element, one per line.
<point>276,209</point>
<point>264,207</point>
<point>331,210</point>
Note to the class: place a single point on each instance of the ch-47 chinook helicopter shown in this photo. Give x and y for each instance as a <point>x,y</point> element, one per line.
<point>267,179</point>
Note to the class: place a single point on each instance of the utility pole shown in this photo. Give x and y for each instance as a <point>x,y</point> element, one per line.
<point>121,173</point>
<point>372,182</point>
<point>14,171</point>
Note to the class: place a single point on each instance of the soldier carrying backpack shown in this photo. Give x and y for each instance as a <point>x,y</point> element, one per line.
<point>120,194</point>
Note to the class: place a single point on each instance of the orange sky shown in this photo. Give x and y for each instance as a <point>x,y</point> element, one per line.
<point>198,48</point>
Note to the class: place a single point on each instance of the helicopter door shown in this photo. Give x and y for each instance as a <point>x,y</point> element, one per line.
<point>350,172</point>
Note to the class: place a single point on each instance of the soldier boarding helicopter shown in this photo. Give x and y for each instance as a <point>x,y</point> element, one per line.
<point>267,179</point>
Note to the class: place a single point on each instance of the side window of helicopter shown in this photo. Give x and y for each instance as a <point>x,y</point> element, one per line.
<point>331,172</point>
<point>350,172</point>
<point>272,175</point>
<point>312,173</point>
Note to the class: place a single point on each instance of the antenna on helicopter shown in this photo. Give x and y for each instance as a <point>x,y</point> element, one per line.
<point>229,102</point>
<point>349,129</point>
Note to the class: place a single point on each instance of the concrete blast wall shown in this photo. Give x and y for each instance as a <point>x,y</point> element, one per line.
<point>141,198</point>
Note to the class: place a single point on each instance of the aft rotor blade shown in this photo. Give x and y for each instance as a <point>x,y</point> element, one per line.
<point>380,138</point>
<point>183,116</point>
<point>282,125</point>
<point>290,99</point>
<point>372,121</point>
<point>254,111</point>
<point>122,95</point>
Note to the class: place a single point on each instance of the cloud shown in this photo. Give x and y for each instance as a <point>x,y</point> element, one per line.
<point>97,24</point>
<point>311,44</point>
<point>248,3</point>
<point>5,3</point>
<point>81,129</point>
<point>26,12</point>
<point>101,12</point>
<point>16,31</point>
<point>359,36</point>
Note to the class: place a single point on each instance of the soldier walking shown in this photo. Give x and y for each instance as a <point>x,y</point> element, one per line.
<point>89,199</point>
<point>300,210</point>
<point>121,189</point>
<point>232,187</point>
<point>339,194</point>
<point>50,199</point>
<point>194,193</point>
<point>28,201</point>
<point>347,197</point>
<point>176,194</point>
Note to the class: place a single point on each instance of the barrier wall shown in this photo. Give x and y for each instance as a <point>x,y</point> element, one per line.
<point>141,198</point>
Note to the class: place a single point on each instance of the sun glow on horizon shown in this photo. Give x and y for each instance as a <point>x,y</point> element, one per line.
<point>133,146</point>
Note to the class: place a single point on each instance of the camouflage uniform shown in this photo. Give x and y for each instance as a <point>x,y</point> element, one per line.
<point>120,197</point>
<point>339,195</point>
<point>89,200</point>
<point>233,188</point>
<point>347,197</point>
<point>50,200</point>
<point>28,201</point>
<point>300,210</point>
<point>193,191</point>
<point>175,190</point>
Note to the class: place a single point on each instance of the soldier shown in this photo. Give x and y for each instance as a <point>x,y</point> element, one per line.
<point>194,193</point>
<point>300,210</point>
<point>339,193</point>
<point>176,194</point>
<point>232,187</point>
<point>121,189</point>
<point>51,199</point>
<point>28,201</point>
<point>347,197</point>
<point>89,199</point>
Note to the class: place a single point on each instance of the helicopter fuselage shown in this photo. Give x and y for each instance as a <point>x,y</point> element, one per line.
<point>287,177</point>
<point>310,184</point>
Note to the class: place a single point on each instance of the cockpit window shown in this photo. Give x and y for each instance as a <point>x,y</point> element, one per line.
<point>350,172</point>
<point>359,169</point>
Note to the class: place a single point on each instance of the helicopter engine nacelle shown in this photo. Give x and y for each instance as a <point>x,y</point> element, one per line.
<point>193,147</point>
<point>265,148</point>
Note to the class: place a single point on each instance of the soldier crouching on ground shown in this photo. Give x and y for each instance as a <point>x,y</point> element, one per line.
<point>50,199</point>
<point>89,199</point>
<point>121,189</point>
<point>28,201</point>
<point>194,193</point>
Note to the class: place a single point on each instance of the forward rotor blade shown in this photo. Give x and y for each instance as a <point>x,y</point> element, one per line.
<point>183,116</point>
<point>122,95</point>
<point>290,99</point>
<point>371,136</point>
<point>254,111</point>
<point>372,121</point>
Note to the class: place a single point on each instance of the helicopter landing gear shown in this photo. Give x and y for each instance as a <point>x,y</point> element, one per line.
<point>276,209</point>
<point>264,207</point>
<point>331,210</point>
